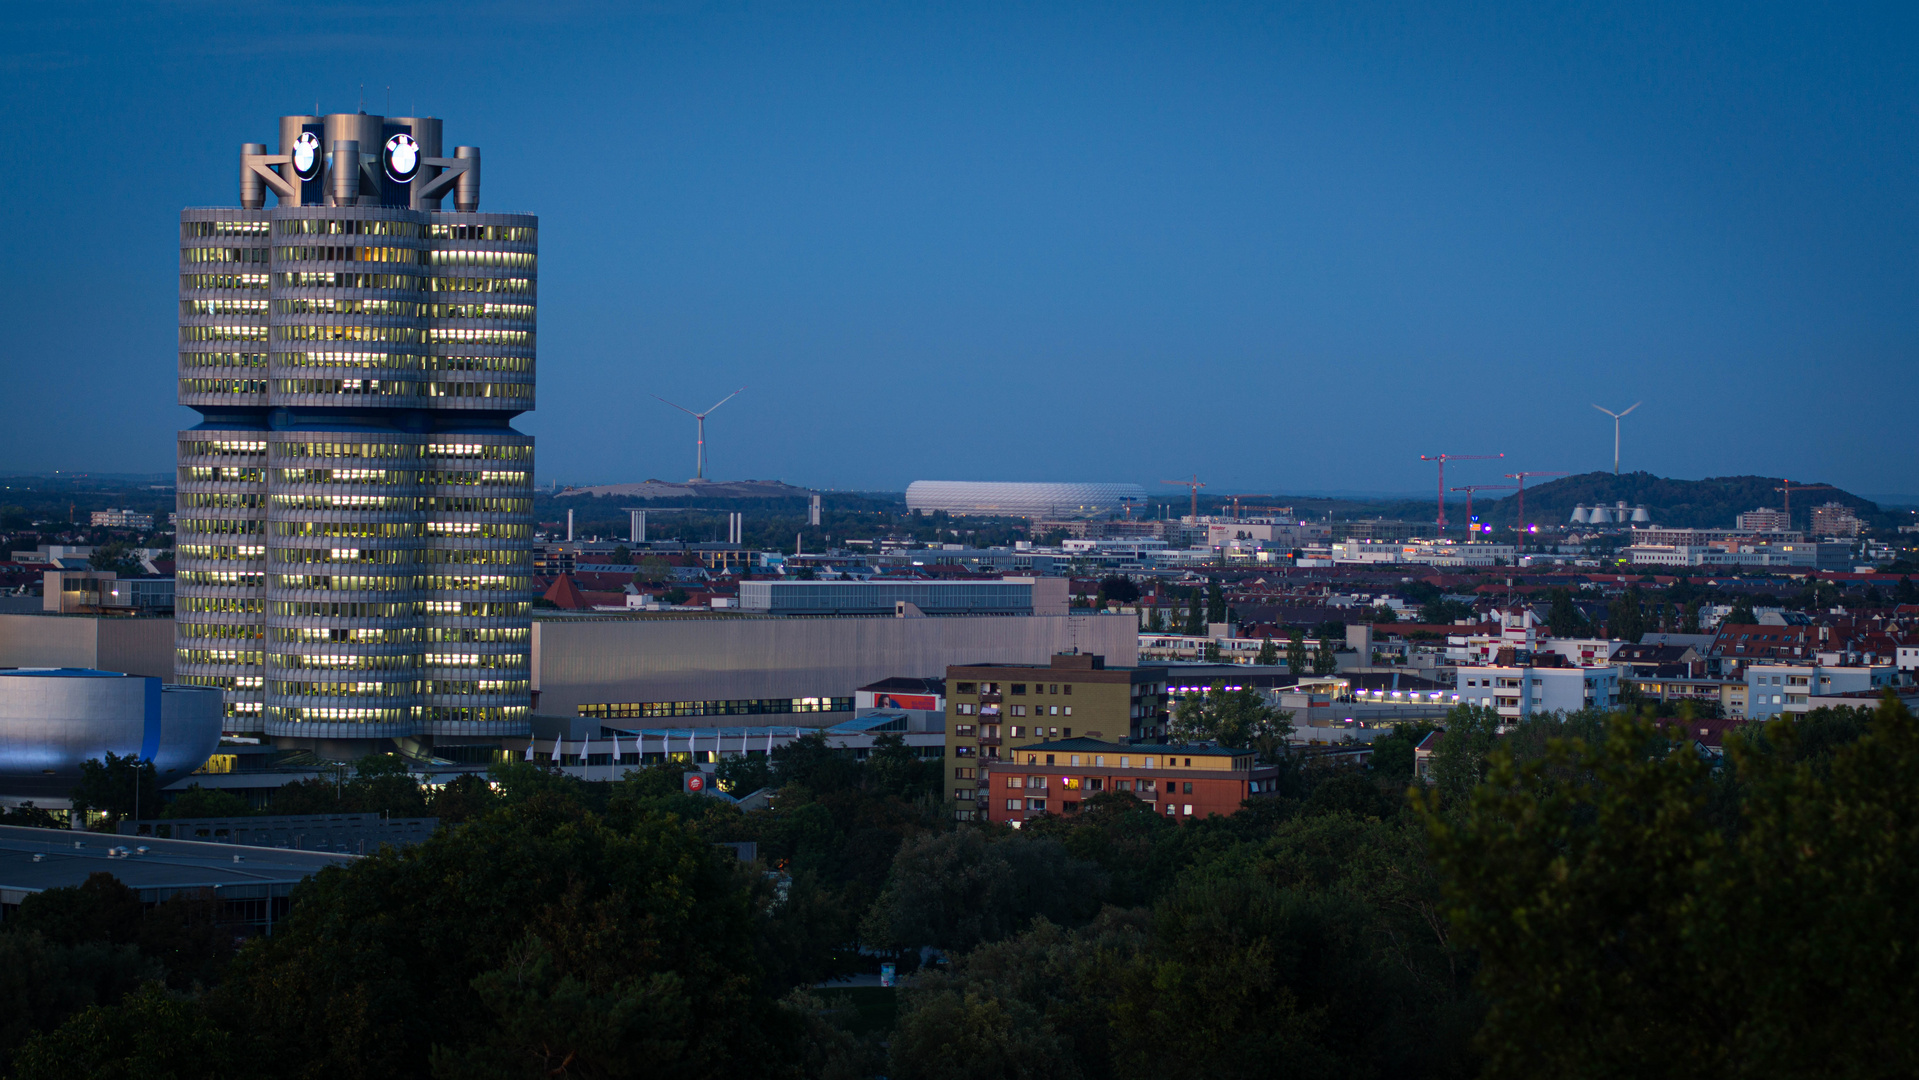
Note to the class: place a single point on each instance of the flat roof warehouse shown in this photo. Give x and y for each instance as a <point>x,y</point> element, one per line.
<point>254,883</point>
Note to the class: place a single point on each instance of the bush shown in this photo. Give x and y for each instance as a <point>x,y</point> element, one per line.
<point>199,802</point>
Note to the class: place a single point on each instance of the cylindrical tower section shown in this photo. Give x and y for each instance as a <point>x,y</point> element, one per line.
<point>220,569</point>
<point>427,132</point>
<point>253,190</point>
<point>477,479</point>
<point>482,287</point>
<point>347,323</point>
<point>466,190</point>
<point>343,179</point>
<point>224,256</point>
<point>477,580</point>
<point>343,649</point>
<point>290,129</point>
<point>352,174</point>
<point>300,139</point>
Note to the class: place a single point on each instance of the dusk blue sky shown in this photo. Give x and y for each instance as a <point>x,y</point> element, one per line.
<point>1288,247</point>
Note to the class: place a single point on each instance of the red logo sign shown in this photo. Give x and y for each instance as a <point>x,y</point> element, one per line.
<point>695,782</point>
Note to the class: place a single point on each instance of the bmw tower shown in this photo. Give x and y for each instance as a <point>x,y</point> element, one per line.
<point>355,508</point>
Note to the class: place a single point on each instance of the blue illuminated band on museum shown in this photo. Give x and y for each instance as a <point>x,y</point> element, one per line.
<point>355,510</point>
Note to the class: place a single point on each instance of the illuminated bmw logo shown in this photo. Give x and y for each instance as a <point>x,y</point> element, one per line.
<point>402,158</point>
<point>306,156</point>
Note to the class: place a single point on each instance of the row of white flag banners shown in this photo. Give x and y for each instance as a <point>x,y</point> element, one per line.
<point>666,744</point>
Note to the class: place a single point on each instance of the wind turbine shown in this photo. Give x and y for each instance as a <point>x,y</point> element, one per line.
<point>700,472</point>
<point>1615,430</point>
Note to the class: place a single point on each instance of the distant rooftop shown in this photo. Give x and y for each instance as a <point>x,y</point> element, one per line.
<point>34,860</point>
<point>1084,745</point>
<point>66,673</point>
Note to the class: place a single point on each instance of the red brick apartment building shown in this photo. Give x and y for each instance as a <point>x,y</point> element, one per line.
<point>1182,782</point>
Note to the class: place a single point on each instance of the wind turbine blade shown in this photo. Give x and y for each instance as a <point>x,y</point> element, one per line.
<point>1601,408</point>
<point>682,408</point>
<point>727,398</point>
<point>1633,406</point>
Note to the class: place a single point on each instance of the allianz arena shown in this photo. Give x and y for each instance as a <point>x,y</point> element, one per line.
<point>988,498</point>
<point>54,719</point>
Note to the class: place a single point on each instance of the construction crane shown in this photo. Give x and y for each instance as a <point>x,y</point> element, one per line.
<point>1519,524</point>
<point>1255,495</point>
<point>1195,484</point>
<point>1443,459</point>
<point>1791,487</point>
<point>1469,489</point>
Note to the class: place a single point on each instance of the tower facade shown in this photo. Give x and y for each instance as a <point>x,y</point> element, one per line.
<point>355,510</point>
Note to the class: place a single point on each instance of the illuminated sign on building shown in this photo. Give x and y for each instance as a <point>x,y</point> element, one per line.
<point>306,156</point>
<point>402,158</point>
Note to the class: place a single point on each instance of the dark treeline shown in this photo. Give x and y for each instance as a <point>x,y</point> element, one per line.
<point>1585,896</point>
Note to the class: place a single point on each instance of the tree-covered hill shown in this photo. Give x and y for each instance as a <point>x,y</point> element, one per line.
<point>1710,503</point>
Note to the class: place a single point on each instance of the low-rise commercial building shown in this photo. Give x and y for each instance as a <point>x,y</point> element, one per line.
<point>104,592</point>
<point>253,884</point>
<point>1006,596</point>
<point>1799,555</point>
<point>1181,782</point>
<point>714,670</point>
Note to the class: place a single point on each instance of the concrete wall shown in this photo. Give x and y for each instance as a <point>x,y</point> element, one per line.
<point>577,661</point>
<point>128,645</point>
<point>137,646</point>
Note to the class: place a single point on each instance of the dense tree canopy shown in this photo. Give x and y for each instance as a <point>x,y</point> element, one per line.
<point>1637,912</point>
<point>1238,718</point>
<point>1579,895</point>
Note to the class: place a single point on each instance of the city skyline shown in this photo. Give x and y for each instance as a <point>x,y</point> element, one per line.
<point>1355,227</point>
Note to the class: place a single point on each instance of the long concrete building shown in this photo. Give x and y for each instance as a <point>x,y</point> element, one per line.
<point>710,671</point>
<point>695,670</point>
<point>132,645</point>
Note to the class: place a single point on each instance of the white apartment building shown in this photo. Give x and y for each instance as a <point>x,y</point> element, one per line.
<point>1583,652</point>
<point>1519,692</point>
<point>1284,534</point>
<point>1775,689</point>
<point>122,519</point>
<point>1518,630</point>
<point>1422,552</point>
<point>1813,556</point>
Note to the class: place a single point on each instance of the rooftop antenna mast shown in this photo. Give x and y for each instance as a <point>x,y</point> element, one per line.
<point>1615,430</point>
<point>700,456</point>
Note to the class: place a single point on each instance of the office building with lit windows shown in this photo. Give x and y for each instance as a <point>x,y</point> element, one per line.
<point>355,509</point>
